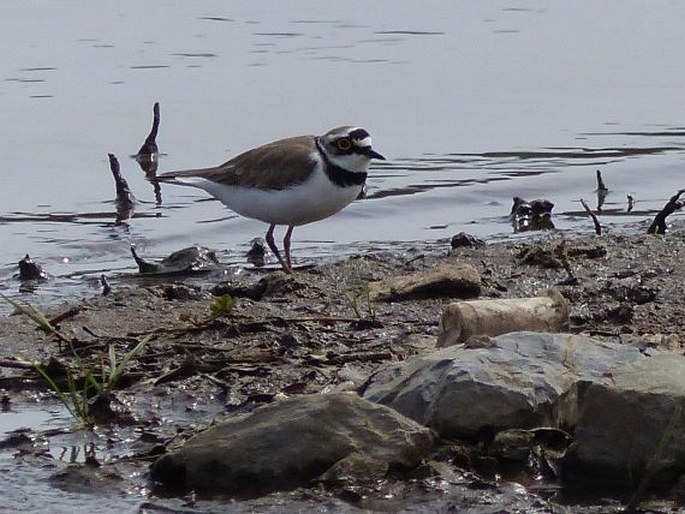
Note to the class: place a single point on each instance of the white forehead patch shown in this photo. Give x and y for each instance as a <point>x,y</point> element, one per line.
<point>363,143</point>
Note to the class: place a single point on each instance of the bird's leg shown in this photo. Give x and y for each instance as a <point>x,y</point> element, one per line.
<point>272,245</point>
<point>286,247</point>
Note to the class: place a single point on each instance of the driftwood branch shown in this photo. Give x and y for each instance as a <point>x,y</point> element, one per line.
<point>602,191</point>
<point>601,186</point>
<point>16,364</point>
<point>598,227</point>
<point>658,226</point>
<point>150,145</point>
<point>125,200</point>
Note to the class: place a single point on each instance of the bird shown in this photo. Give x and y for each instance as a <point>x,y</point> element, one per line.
<point>291,182</point>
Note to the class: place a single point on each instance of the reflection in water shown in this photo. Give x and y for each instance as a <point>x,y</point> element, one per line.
<point>601,198</point>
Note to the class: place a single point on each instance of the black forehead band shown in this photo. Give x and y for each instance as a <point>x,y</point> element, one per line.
<point>359,134</point>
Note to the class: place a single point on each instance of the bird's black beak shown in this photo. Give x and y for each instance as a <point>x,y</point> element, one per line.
<point>373,154</point>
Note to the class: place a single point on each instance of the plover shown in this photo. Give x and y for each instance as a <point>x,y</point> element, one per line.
<point>290,182</point>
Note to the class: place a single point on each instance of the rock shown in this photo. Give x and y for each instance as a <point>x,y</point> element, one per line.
<point>512,383</point>
<point>273,284</point>
<point>463,239</point>
<point>293,441</point>
<point>516,444</point>
<point>355,467</point>
<point>539,256</point>
<point>621,405</point>
<point>625,425</point>
<point>513,444</point>
<point>446,280</point>
<point>30,269</point>
<point>258,253</point>
<point>462,320</point>
<point>189,260</point>
<point>86,479</point>
<point>183,292</point>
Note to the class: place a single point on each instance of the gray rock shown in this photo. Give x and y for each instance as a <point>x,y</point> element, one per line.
<point>512,383</point>
<point>293,441</point>
<point>629,425</point>
<point>622,406</point>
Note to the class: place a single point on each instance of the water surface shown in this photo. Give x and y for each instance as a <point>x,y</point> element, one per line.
<point>472,102</point>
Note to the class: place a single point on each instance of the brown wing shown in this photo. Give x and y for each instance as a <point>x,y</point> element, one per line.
<point>276,165</point>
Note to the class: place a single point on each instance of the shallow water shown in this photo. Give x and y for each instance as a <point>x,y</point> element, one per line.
<point>473,103</point>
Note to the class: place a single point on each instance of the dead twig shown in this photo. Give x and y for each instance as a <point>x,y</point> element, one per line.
<point>658,226</point>
<point>14,364</point>
<point>150,145</point>
<point>351,357</point>
<point>561,253</point>
<point>217,381</point>
<point>600,183</point>
<point>602,191</point>
<point>56,320</point>
<point>248,324</point>
<point>598,227</point>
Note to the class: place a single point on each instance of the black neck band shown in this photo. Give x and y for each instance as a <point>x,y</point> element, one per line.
<point>338,175</point>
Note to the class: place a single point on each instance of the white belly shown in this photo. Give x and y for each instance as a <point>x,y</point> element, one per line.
<point>310,201</point>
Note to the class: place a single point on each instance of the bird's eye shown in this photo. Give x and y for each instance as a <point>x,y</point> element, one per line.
<point>344,144</point>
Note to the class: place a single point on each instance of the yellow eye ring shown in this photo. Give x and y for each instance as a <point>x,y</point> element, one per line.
<point>344,144</point>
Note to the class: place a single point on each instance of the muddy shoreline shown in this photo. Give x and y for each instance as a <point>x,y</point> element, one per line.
<point>318,331</point>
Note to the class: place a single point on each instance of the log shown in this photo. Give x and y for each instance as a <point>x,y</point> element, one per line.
<point>460,321</point>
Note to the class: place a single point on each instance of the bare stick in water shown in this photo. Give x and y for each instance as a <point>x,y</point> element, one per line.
<point>658,226</point>
<point>125,200</point>
<point>150,145</point>
<point>602,191</point>
<point>598,227</point>
<point>600,183</point>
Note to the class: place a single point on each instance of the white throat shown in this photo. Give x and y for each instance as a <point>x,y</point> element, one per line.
<point>354,163</point>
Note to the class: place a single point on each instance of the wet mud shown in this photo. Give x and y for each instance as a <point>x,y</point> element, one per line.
<point>215,348</point>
